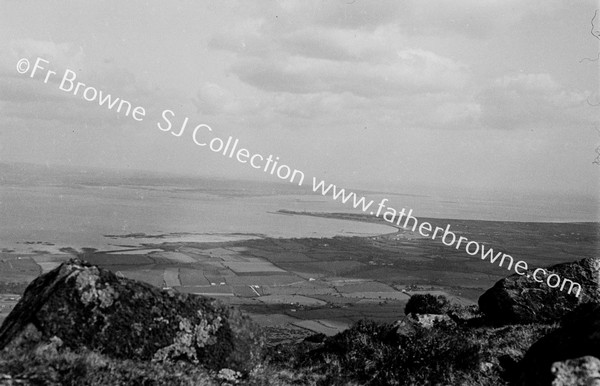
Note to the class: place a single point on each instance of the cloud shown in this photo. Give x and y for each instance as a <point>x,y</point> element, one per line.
<point>409,71</point>
<point>311,59</point>
<point>311,73</point>
<point>352,14</point>
<point>348,13</point>
<point>333,44</point>
<point>336,58</point>
<point>476,19</point>
<point>40,107</point>
<point>304,70</point>
<point>213,99</point>
<point>531,100</point>
<point>524,83</point>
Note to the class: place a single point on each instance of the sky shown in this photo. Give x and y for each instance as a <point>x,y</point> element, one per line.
<point>386,95</point>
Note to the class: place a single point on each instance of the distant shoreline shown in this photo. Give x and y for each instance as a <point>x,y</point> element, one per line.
<point>132,242</point>
<point>362,217</point>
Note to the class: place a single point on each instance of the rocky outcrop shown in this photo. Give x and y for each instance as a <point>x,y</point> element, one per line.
<point>469,315</point>
<point>584,371</point>
<point>579,336</point>
<point>521,299</point>
<point>86,306</point>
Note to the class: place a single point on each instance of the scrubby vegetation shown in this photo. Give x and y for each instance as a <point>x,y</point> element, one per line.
<point>374,354</point>
<point>87,368</point>
<point>447,354</point>
<point>369,353</point>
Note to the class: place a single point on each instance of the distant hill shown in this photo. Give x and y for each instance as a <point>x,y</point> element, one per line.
<point>25,174</point>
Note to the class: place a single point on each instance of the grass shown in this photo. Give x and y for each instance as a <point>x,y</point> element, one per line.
<point>49,366</point>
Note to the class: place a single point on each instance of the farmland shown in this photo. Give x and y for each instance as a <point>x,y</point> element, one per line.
<point>295,286</point>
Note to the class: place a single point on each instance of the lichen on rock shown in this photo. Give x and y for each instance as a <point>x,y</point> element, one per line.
<point>92,290</point>
<point>189,339</point>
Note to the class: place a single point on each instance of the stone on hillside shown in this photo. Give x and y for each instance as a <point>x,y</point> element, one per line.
<point>579,336</point>
<point>403,327</point>
<point>409,324</point>
<point>521,299</point>
<point>428,320</point>
<point>85,306</point>
<point>584,371</point>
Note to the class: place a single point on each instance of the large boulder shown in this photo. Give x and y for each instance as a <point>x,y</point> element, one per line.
<point>584,371</point>
<point>86,306</point>
<point>521,299</point>
<point>579,336</point>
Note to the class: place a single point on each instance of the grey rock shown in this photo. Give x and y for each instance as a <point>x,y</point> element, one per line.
<point>520,299</point>
<point>80,305</point>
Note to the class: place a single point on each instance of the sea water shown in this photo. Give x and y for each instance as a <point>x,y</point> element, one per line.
<point>34,216</point>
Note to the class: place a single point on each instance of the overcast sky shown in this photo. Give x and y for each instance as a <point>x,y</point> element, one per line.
<point>373,94</point>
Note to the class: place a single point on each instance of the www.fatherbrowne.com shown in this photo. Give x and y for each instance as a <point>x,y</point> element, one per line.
<point>473,248</point>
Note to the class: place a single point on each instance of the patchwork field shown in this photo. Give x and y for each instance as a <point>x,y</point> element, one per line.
<point>7,303</point>
<point>323,285</point>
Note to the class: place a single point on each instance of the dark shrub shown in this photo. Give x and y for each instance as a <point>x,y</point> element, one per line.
<point>427,304</point>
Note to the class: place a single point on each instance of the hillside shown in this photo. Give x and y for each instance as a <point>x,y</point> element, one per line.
<point>137,334</point>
